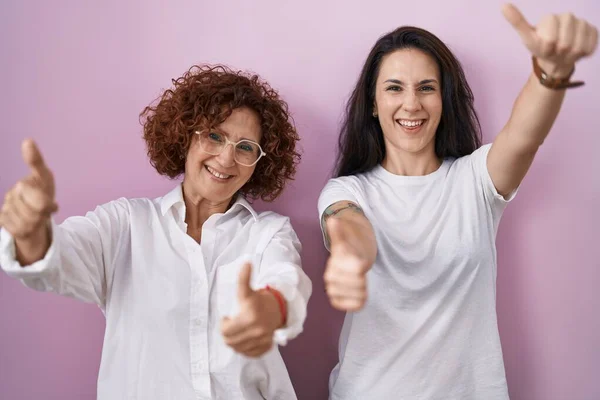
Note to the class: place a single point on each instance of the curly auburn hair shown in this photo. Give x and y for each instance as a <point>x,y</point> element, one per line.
<point>203,98</point>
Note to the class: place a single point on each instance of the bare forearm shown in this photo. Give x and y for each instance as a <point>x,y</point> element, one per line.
<point>533,115</point>
<point>355,226</point>
<point>363,233</point>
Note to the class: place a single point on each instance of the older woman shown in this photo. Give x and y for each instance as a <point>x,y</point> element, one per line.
<point>415,208</point>
<point>196,286</point>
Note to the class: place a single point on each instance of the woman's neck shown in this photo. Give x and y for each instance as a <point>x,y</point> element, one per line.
<point>198,210</point>
<point>406,163</point>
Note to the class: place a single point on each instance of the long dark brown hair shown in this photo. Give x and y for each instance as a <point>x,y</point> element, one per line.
<point>361,145</point>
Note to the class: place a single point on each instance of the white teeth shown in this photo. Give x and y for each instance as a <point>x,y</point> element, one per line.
<point>215,173</point>
<point>410,123</point>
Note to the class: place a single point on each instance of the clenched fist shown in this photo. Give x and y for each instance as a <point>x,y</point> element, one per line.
<point>250,332</point>
<point>28,206</point>
<point>346,271</point>
<point>558,41</point>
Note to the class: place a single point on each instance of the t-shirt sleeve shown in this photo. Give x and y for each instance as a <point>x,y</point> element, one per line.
<point>335,190</point>
<point>496,202</point>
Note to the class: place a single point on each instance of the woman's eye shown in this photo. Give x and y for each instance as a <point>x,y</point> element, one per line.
<point>246,147</point>
<point>215,137</point>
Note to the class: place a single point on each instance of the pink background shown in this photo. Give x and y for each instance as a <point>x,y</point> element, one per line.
<point>75,74</point>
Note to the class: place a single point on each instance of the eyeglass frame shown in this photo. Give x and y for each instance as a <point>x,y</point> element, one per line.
<point>229,142</point>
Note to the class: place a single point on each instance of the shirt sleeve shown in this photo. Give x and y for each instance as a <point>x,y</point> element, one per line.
<point>78,263</point>
<point>281,269</point>
<point>496,202</point>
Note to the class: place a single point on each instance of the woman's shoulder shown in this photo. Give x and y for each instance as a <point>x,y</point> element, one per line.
<point>352,182</point>
<point>125,207</point>
<point>265,218</point>
<point>354,188</point>
<point>269,223</point>
<point>475,159</point>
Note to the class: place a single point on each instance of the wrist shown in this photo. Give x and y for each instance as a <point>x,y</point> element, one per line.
<point>277,306</point>
<point>33,247</point>
<point>554,76</point>
<point>556,71</point>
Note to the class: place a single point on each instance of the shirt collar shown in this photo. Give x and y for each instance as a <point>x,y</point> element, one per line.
<point>242,202</point>
<point>172,198</point>
<point>175,197</point>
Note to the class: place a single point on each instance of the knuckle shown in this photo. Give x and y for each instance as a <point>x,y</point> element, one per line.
<point>261,331</point>
<point>251,319</point>
<point>333,291</point>
<point>358,305</point>
<point>365,266</point>
<point>579,51</point>
<point>549,19</point>
<point>546,51</point>
<point>255,354</point>
<point>11,194</point>
<point>332,297</point>
<point>548,43</point>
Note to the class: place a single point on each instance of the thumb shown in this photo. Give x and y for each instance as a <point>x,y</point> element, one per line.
<point>518,21</point>
<point>244,289</point>
<point>33,158</point>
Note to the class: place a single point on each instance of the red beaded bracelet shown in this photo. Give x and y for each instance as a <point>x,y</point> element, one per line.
<point>280,301</point>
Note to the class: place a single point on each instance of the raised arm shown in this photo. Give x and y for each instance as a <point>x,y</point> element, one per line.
<point>28,206</point>
<point>556,44</point>
<point>73,259</point>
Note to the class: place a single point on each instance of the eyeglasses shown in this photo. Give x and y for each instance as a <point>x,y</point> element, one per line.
<point>247,152</point>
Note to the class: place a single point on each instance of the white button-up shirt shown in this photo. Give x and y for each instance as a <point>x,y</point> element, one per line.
<point>163,294</point>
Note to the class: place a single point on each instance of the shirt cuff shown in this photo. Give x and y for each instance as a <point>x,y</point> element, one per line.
<point>12,267</point>
<point>296,312</point>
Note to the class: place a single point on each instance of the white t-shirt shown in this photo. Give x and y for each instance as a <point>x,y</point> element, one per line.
<point>429,328</point>
<point>164,295</point>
